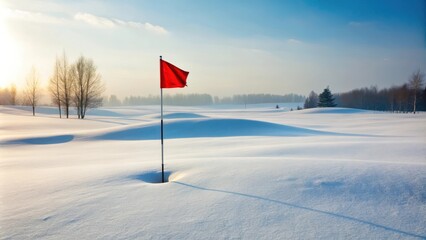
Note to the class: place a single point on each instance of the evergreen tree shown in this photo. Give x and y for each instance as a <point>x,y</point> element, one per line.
<point>423,102</point>
<point>326,99</point>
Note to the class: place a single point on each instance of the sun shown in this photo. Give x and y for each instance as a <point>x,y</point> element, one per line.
<point>9,55</point>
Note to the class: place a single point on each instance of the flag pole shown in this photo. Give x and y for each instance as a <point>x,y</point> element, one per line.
<point>162,136</point>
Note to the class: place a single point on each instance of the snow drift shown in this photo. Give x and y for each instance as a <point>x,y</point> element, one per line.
<point>252,173</point>
<point>209,128</point>
<point>336,110</point>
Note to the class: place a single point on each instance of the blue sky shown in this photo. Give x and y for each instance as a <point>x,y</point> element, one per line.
<point>227,46</point>
<point>313,21</point>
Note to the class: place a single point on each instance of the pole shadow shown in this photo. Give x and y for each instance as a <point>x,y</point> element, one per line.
<point>349,218</point>
<point>152,177</point>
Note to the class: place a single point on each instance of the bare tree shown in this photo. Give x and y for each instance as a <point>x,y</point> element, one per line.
<point>4,96</point>
<point>311,101</point>
<point>32,90</point>
<point>12,94</point>
<point>415,83</point>
<point>88,87</point>
<point>402,98</point>
<point>55,86</point>
<point>65,82</point>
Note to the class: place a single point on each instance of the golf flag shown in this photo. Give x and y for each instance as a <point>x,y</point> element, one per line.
<point>172,76</point>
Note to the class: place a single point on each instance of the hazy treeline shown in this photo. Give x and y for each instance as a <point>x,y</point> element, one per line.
<point>260,98</point>
<point>177,99</point>
<point>408,97</point>
<point>201,99</point>
<point>397,98</point>
<point>8,96</point>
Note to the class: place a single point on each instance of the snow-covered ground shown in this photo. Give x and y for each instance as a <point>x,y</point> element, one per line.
<point>234,173</point>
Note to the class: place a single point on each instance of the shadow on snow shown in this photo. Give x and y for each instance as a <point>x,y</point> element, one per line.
<point>349,218</point>
<point>42,140</point>
<point>188,128</point>
<point>151,176</point>
<point>212,128</point>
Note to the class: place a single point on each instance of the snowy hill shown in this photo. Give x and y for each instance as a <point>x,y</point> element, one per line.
<point>245,173</point>
<point>336,110</point>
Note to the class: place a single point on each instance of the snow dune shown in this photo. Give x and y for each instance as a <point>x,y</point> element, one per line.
<point>210,128</point>
<point>254,173</point>
<point>42,140</point>
<point>336,110</point>
<point>204,128</point>
<point>181,115</point>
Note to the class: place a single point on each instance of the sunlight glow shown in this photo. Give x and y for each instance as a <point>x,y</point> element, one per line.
<point>10,54</point>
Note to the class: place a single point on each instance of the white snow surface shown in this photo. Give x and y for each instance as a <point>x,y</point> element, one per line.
<point>234,173</point>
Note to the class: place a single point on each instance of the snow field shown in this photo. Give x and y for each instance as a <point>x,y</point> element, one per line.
<point>255,173</point>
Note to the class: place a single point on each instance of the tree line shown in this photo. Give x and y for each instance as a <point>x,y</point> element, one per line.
<point>201,99</point>
<point>260,98</point>
<point>30,94</point>
<point>9,96</point>
<point>76,84</point>
<point>408,97</point>
<point>176,100</point>
<point>79,85</point>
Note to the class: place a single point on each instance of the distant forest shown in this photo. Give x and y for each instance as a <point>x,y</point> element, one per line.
<point>202,99</point>
<point>395,99</point>
<point>408,97</point>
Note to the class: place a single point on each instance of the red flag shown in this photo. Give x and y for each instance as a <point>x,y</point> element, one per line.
<point>172,76</point>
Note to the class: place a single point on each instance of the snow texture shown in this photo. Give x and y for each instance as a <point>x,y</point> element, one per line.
<point>239,172</point>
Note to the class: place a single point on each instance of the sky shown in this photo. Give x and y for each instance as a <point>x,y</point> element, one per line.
<point>229,47</point>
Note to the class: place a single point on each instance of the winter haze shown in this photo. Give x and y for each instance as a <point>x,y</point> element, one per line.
<point>230,47</point>
<point>300,119</point>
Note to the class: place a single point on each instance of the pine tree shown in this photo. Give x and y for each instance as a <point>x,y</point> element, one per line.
<point>326,99</point>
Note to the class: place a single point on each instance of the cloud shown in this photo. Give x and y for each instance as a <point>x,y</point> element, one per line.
<point>294,41</point>
<point>102,22</point>
<point>154,28</point>
<point>95,20</point>
<point>32,16</point>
